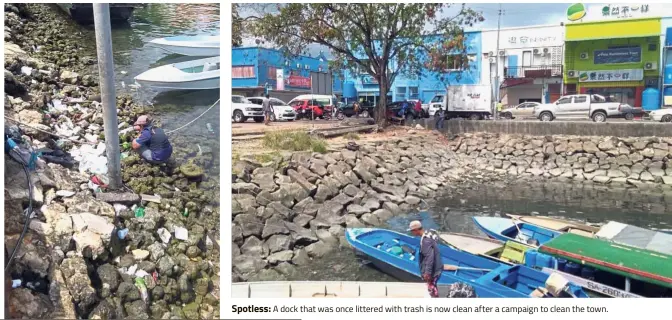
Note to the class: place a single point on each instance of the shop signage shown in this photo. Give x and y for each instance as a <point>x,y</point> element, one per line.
<point>298,82</point>
<point>533,40</point>
<point>280,79</point>
<point>618,55</point>
<point>611,75</point>
<point>369,80</point>
<point>624,11</point>
<point>596,11</point>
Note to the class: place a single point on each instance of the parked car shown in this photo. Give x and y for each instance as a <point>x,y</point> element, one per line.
<point>242,109</point>
<point>281,110</point>
<point>394,108</point>
<point>348,110</point>
<point>662,115</point>
<point>523,110</point>
<point>311,109</point>
<point>320,99</point>
<point>582,106</point>
<point>424,109</point>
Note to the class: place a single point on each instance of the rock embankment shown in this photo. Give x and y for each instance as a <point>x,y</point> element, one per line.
<point>294,209</point>
<point>601,160</point>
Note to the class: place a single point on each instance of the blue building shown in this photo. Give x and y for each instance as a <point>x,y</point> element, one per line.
<point>364,87</point>
<point>255,70</point>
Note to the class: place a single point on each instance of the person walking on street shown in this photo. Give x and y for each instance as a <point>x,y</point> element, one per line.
<point>267,109</point>
<point>440,116</point>
<point>356,108</point>
<point>500,106</point>
<point>431,265</point>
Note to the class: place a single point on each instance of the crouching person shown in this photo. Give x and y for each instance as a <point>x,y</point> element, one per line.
<point>152,144</point>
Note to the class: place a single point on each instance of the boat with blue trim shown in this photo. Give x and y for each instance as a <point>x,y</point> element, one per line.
<point>505,229</point>
<point>398,255</point>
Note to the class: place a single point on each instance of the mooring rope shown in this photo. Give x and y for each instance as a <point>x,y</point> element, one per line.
<point>192,121</point>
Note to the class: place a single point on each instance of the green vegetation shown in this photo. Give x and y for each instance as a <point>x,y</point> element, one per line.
<point>294,141</point>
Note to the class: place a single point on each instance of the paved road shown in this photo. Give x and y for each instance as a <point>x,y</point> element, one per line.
<point>282,125</point>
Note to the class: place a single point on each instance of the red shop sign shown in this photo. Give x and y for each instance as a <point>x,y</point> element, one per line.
<point>298,81</point>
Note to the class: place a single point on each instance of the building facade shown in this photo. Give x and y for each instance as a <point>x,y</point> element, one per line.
<point>364,87</point>
<point>615,58</point>
<point>530,63</point>
<point>257,70</point>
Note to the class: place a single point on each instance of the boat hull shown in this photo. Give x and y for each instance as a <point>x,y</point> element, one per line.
<point>188,75</point>
<point>504,229</point>
<point>83,12</point>
<point>195,46</point>
<point>204,84</point>
<point>479,272</point>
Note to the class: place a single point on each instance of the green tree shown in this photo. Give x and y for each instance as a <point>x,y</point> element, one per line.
<point>236,26</point>
<point>381,40</point>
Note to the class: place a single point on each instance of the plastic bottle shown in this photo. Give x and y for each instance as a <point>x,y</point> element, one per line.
<point>209,126</point>
<point>140,284</point>
<point>139,212</point>
<point>122,233</point>
<point>186,212</point>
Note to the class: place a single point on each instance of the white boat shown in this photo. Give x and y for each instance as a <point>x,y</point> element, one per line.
<point>189,75</point>
<point>198,46</point>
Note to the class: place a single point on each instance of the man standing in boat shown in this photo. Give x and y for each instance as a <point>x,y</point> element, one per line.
<point>152,144</point>
<point>267,108</point>
<point>431,265</point>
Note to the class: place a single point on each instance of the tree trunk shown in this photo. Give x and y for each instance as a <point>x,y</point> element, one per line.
<point>381,108</point>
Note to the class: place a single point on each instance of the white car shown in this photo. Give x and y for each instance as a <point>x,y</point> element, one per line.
<point>662,115</point>
<point>281,111</point>
<point>242,109</point>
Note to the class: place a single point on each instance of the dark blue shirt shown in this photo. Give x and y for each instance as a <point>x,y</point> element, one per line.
<point>430,255</point>
<point>157,142</point>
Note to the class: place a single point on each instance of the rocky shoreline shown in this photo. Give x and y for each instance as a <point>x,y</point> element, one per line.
<point>75,262</point>
<point>293,209</point>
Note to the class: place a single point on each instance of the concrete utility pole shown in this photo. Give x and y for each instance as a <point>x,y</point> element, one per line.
<point>101,17</point>
<point>496,80</point>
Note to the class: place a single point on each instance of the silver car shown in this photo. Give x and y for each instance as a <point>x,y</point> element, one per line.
<point>523,110</point>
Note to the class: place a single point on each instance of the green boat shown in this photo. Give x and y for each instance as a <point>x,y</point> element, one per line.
<point>639,271</point>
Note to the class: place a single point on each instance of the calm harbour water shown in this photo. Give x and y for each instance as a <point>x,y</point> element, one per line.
<point>453,213</point>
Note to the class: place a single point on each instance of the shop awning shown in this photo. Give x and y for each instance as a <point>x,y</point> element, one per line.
<point>626,28</point>
<point>512,82</point>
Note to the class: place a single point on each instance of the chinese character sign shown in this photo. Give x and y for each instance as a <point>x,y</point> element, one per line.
<point>625,11</point>
<point>611,75</point>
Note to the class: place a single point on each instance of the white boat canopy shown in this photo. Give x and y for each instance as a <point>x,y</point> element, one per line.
<point>636,237</point>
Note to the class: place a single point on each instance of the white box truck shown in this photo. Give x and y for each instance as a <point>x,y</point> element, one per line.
<point>466,101</point>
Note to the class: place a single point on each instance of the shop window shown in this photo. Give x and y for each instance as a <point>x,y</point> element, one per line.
<point>400,94</point>
<point>413,93</point>
<point>527,58</point>
<point>272,72</point>
<point>241,72</point>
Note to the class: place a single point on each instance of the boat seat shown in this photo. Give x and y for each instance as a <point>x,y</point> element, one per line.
<point>209,67</point>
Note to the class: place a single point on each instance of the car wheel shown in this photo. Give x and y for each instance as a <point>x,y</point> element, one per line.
<point>629,116</point>
<point>546,116</point>
<point>238,116</point>
<point>666,118</point>
<point>364,114</point>
<point>599,116</point>
<point>507,115</point>
<point>474,116</point>
<point>273,117</point>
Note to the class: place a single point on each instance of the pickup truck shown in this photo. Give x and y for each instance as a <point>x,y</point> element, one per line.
<point>242,109</point>
<point>583,106</point>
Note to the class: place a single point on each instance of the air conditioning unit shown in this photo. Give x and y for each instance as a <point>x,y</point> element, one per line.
<point>306,67</point>
<point>546,50</point>
<point>572,74</point>
<point>584,56</point>
<point>536,51</point>
<point>650,66</point>
<point>492,60</point>
<point>491,54</point>
<point>502,53</point>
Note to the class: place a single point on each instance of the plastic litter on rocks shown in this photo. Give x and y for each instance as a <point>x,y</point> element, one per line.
<point>164,234</point>
<point>181,233</point>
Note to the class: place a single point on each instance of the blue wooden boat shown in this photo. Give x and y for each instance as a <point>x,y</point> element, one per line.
<point>398,254</point>
<point>505,229</point>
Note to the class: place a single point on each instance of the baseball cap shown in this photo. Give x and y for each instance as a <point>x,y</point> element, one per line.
<point>414,225</point>
<point>142,120</point>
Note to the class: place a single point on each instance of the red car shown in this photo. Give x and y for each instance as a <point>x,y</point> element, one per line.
<point>310,109</point>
